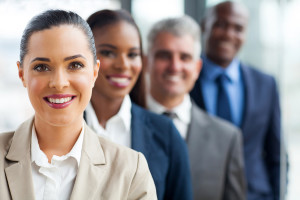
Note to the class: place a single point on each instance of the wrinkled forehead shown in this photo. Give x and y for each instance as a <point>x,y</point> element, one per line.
<point>166,39</point>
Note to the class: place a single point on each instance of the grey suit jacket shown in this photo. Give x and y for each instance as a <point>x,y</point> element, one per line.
<point>216,157</point>
<point>106,170</point>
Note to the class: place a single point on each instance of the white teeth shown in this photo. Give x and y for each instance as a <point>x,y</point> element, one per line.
<point>173,78</point>
<point>119,80</point>
<point>60,100</point>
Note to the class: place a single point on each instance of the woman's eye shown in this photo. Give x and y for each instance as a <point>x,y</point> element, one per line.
<point>133,55</point>
<point>76,65</point>
<point>41,68</point>
<point>106,53</point>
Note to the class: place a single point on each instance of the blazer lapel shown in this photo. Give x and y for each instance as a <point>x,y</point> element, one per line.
<point>18,172</point>
<point>198,123</point>
<point>249,97</point>
<point>199,137</point>
<point>140,132</point>
<point>91,168</point>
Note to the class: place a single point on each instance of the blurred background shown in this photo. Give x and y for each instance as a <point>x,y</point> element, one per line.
<point>273,46</point>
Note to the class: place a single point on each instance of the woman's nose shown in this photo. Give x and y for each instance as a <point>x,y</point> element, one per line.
<point>59,80</point>
<point>122,62</point>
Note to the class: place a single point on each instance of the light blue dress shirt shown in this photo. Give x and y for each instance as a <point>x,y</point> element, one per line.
<point>235,88</point>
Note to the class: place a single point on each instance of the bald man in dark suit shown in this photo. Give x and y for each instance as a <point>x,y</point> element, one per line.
<point>245,97</point>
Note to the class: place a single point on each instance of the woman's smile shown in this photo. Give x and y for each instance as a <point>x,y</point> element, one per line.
<point>59,101</point>
<point>118,48</point>
<point>119,80</point>
<point>59,80</point>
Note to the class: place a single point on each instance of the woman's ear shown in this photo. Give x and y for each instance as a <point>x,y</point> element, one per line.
<point>21,73</point>
<point>96,71</point>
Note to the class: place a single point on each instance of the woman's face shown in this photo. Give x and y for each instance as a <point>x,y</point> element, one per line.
<point>118,48</point>
<point>59,73</point>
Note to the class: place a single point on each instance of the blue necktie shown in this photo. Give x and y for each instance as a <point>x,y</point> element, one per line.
<point>223,103</point>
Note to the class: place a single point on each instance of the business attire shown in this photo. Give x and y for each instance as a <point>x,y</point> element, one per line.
<point>215,151</point>
<point>165,151</point>
<point>106,170</point>
<point>54,180</point>
<point>255,109</point>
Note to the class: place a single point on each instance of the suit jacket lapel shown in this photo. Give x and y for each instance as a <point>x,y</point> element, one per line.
<point>249,96</point>
<point>197,124</point>
<point>18,173</point>
<point>198,136</point>
<point>19,176</point>
<point>140,132</point>
<point>91,168</point>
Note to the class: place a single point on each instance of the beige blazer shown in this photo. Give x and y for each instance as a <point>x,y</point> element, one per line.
<point>106,170</point>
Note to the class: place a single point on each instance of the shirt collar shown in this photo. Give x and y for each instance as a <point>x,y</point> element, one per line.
<point>183,110</point>
<point>39,157</point>
<point>211,70</point>
<point>154,106</point>
<point>124,114</point>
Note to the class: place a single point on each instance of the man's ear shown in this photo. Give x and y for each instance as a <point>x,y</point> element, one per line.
<point>199,66</point>
<point>21,73</point>
<point>96,71</point>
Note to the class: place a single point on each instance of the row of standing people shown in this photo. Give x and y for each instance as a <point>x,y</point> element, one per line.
<point>210,166</point>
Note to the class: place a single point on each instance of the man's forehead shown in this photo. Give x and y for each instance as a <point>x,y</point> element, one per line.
<point>172,51</point>
<point>184,43</point>
<point>170,39</point>
<point>231,8</point>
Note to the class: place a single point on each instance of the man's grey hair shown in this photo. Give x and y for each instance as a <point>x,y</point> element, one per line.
<point>179,26</point>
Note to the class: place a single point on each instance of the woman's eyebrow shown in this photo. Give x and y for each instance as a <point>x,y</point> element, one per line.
<point>107,45</point>
<point>65,59</point>
<point>135,48</point>
<point>73,57</point>
<point>40,59</point>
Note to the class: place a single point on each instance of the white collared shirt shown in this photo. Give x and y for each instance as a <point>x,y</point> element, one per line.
<point>183,112</point>
<point>55,180</point>
<point>117,127</point>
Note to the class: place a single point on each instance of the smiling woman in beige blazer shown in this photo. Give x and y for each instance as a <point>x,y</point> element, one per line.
<point>55,155</point>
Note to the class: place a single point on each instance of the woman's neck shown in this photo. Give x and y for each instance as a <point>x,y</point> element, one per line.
<point>57,140</point>
<point>105,108</point>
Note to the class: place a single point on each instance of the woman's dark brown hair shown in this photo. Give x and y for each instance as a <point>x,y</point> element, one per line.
<point>54,18</point>
<point>104,18</point>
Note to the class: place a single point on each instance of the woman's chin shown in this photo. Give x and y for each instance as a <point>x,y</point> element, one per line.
<point>62,120</point>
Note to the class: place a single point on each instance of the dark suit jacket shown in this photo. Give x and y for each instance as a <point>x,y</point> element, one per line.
<point>261,132</point>
<point>165,151</point>
<point>216,156</point>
